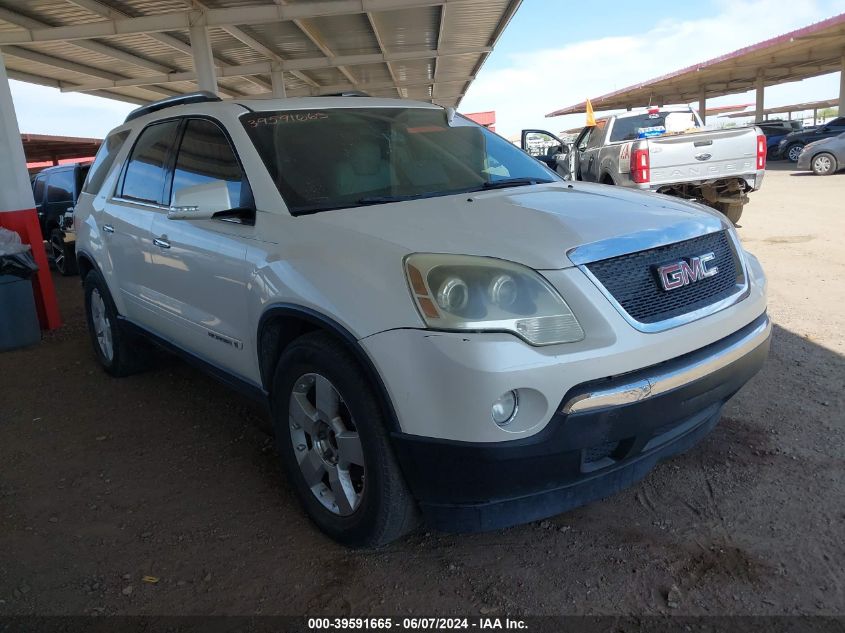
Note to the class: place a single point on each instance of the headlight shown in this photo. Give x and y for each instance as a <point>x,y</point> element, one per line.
<point>463,292</point>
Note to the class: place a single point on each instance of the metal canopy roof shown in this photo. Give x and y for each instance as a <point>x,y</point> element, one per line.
<point>795,107</point>
<point>807,52</point>
<point>42,147</point>
<point>139,50</point>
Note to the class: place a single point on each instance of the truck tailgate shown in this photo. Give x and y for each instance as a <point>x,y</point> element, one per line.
<point>703,155</point>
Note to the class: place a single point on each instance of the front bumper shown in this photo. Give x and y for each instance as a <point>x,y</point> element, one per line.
<point>606,435</point>
<point>803,160</point>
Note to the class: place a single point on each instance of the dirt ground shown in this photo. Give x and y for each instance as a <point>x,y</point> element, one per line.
<point>168,475</point>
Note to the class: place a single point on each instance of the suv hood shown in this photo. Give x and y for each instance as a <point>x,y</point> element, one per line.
<point>531,225</point>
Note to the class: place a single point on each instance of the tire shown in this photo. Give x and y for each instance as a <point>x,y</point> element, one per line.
<point>62,255</point>
<point>731,210</point>
<point>118,352</point>
<point>357,504</point>
<point>793,151</point>
<point>824,164</point>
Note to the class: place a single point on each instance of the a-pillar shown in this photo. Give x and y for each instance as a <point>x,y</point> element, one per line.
<point>17,206</point>
<point>203,58</point>
<point>761,88</point>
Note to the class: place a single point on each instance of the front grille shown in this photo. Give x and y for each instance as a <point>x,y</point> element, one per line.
<point>633,281</point>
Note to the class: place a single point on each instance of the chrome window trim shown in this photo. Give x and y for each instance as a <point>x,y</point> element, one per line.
<point>742,289</point>
<point>140,203</point>
<point>662,382</point>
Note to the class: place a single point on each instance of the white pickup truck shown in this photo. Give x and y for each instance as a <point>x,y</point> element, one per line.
<point>662,150</point>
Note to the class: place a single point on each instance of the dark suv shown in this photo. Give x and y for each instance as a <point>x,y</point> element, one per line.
<point>55,190</point>
<point>791,145</point>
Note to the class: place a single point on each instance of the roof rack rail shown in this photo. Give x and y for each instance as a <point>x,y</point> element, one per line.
<point>201,96</point>
<point>347,93</point>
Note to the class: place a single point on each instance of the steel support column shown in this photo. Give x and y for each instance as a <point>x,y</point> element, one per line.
<point>203,59</point>
<point>277,79</point>
<point>702,105</point>
<point>17,206</point>
<point>760,88</point>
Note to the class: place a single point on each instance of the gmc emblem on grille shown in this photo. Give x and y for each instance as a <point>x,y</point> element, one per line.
<point>682,273</point>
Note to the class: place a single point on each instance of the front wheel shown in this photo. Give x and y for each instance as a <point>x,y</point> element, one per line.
<point>731,210</point>
<point>333,441</point>
<point>793,152</point>
<point>824,164</point>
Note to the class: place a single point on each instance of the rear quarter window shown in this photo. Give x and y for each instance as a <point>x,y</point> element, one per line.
<point>103,161</point>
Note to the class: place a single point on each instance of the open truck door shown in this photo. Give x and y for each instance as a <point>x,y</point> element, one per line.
<point>547,148</point>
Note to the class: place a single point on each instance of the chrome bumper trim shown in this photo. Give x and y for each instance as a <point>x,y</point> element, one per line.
<point>666,381</point>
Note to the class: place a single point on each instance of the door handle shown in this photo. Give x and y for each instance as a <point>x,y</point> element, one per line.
<point>108,228</point>
<point>161,243</point>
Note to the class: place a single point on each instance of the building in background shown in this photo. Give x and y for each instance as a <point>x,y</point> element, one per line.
<point>487,119</point>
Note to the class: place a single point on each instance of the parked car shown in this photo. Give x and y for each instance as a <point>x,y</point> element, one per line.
<point>824,157</point>
<point>659,149</point>
<point>437,321</point>
<point>791,145</point>
<point>775,130</point>
<point>55,190</point>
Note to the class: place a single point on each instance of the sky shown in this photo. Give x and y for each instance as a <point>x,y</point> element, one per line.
<point>554,53</point>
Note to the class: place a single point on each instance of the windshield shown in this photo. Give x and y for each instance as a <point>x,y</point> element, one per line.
<point>337,158</point>
<point>630,128</point>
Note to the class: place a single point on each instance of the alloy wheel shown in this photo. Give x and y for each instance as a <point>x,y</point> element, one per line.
<point>102,325</point>
<point>326,444</point>
<point>57,252</point>
<point>794,153</point>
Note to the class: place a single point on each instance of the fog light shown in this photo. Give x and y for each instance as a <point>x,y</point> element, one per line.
<point>505,408</point>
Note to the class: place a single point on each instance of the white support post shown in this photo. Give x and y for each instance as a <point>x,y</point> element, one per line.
<point>842,87</point>
<point>760,87</point>
<point>203,58</point>
<point>15,190</point>
<point>277,78</point>
<point>17,206</point>
<point>702,105</point>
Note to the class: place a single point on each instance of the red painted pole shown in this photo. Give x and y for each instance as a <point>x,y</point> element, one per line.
<point>17,206</point>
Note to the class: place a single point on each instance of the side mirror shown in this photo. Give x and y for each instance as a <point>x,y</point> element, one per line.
<point>200,202</point>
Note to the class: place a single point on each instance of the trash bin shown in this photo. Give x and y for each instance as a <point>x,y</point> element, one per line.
<point>18,319</point>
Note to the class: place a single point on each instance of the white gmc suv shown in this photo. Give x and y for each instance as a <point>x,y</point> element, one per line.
<point>437,321</point>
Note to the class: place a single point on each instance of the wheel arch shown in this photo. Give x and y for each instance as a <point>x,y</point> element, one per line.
<point>282,323</point>
<point>85,264</point>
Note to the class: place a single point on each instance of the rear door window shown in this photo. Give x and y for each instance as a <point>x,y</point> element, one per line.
<point>146,171</point>
<point>60,186</point>
<point>38,189</point>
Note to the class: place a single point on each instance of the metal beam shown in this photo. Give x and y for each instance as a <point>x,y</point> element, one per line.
<point>372,20</point>
<point>183,20</point>
<point>203,59</point>
<point>94,47</point>
<point>263,68</point>
<point>260,47</point>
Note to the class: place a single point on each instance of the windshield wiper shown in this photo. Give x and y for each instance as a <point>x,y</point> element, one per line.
<point>514,182</point>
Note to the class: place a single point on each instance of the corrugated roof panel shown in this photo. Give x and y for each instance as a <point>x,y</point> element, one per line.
<point>408,29</point>
<point>445,89</point>
<point>472,24</point>
<point>413,70</point>
<point>284,38</point>
<point>400,30</point>
<point>370,73</point>
<point>456,66</point>
<point>345,34</point>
